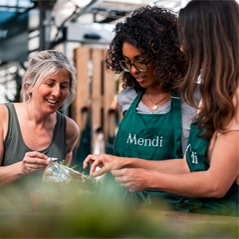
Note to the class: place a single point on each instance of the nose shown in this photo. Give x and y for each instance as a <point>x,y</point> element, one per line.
<point>56,91</point>
<point>134,69</point>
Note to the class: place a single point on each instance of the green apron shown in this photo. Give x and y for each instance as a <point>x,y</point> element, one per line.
<point>196,155</point>
<point>84,148</point>
<point>150,137</point>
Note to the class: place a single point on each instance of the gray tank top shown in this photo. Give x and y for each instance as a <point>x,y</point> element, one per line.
<point>15,148</point>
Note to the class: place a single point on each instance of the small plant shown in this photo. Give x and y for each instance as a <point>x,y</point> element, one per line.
<point>68,165</point>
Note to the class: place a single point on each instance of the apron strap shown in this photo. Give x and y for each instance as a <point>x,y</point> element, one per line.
<point>137,99</point>
<point>177,119</point>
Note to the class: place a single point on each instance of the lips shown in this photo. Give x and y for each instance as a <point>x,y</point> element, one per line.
<point>52,101</point>
<point>140,79</point>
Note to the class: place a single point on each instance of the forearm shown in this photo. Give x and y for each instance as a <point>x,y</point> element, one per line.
<point>110,163</point>
<point>165,166</point>
<point>11,173</point>
<point>68,158</point>
<point>195,184</point>
<point>214,182</point>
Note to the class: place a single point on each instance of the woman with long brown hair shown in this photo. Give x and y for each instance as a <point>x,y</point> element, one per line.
<point>208,174</point>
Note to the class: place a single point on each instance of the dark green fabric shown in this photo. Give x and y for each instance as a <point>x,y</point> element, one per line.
<point>84,148</point>
<point>196,155</point>
<point>110,145</point>
<point>151,137</point>
<point>15,148</point>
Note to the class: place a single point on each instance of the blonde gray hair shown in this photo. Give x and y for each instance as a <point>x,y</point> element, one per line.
<point>42,65</point>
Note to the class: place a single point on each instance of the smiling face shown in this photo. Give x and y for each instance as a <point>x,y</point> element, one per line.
<point>145,79</point>
<point>52,92</point>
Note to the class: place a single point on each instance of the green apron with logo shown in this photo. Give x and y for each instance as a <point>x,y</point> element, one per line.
<point>196,155</point>
<point>150,137</point>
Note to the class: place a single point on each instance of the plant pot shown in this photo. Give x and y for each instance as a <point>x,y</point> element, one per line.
<point>36,201</point>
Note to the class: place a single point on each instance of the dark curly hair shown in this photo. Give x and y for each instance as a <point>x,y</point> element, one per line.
<point>153,30</point>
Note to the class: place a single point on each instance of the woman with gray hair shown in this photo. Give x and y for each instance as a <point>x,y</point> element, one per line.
<point>34,129</point>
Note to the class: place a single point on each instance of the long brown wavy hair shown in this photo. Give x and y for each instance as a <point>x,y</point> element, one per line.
<point>209,35</point>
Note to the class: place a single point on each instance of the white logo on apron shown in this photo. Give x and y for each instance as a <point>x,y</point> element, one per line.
<point>194,157</point>
<point>157,142</point>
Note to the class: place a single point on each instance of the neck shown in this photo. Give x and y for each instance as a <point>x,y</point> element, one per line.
<point>155,92</point>
<point>157,99</point>
<point>34,115</point>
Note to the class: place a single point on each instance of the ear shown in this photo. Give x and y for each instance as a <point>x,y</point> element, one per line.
<point>181,48</point>
<point>28,86</point>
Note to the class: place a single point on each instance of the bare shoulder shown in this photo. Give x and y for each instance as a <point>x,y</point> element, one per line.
<point>72,129</point>
<point>3,120</point>
<point>3,113</point>
<point>226,147</point>
<point>3,110</point>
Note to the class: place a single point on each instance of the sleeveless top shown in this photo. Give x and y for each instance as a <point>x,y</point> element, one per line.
<point>15,148</point>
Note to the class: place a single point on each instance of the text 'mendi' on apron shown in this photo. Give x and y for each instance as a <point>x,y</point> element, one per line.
<point>150,137</point>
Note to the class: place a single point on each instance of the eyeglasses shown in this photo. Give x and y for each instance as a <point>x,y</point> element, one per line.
<point>140,65</point>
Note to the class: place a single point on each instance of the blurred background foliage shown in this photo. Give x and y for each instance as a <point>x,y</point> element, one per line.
<point>17,77</point>
<point>70,211</point>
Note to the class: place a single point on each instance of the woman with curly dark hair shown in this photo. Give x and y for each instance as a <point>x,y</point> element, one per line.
<point>153,31</point>
<point>209,172</point>
<point>145,50</point>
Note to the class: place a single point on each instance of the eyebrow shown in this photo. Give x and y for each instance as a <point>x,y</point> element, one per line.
<point>55,80</point>
<point>134,56</point>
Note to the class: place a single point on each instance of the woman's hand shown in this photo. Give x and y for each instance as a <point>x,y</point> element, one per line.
<point>106,163</point>
<point>135,179</point>
<point>34,161</point>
